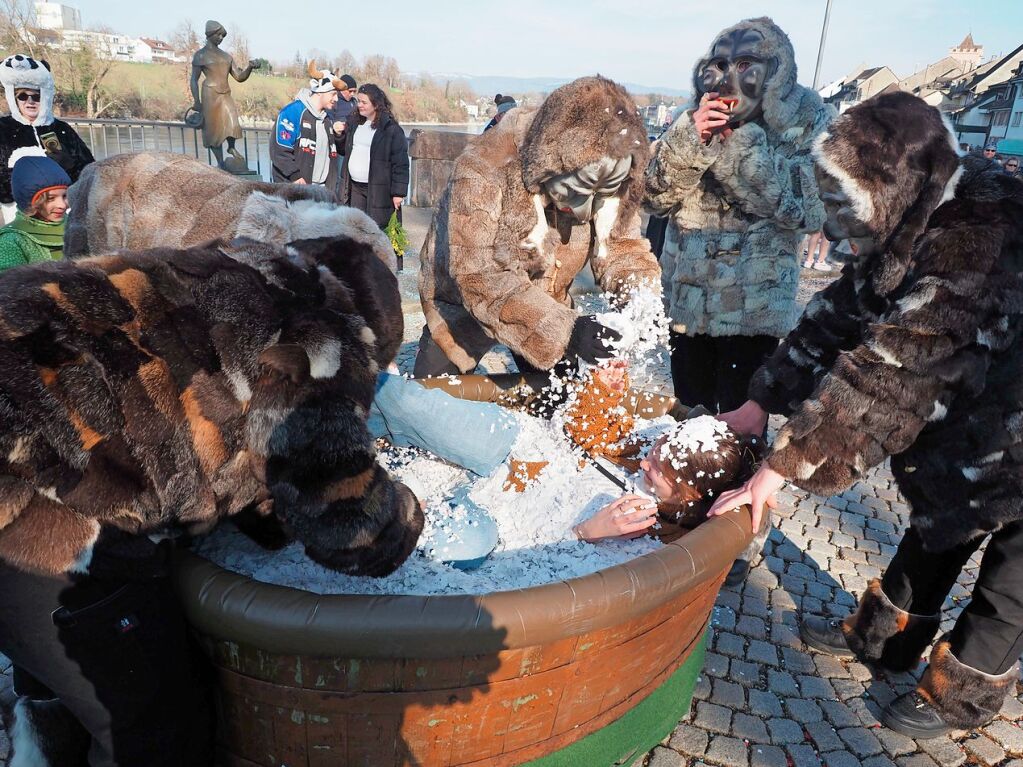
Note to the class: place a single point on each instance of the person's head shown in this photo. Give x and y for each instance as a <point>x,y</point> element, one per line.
<point>28,85</point>
<point>39,186</point>
<point>374,105</point>
<point>697,459</point>
<point>215,32</point>
<point>1012,164</point>
<point>751,65</point>
<point>883,168</point>
<point>990,150</point>
<point>348,87</point>
<point>324,87</point>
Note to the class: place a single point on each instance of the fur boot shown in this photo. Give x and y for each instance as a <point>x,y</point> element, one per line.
<point>882,633</point>
<point>45,734</point>
<point>964,697</point>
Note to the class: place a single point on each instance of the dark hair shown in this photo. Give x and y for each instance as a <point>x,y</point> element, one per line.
<point>379,101</point>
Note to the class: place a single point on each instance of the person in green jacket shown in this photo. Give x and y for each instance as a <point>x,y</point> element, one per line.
<point>37,233</point>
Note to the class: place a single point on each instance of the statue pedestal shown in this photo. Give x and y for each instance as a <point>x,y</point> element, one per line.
<point>248,175</point>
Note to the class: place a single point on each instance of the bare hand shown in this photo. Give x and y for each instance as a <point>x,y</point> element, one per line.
<point>397,202</point>
<point>710,117</point>
<point>628,517</point>
<point>757,492</point>
<point>748,418</point>
<point>300,181</point>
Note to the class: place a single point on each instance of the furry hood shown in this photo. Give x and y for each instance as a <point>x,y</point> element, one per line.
<point>20,71</point>
<point>897,160</point>
<point>783,99</point>
<point>579,123</point>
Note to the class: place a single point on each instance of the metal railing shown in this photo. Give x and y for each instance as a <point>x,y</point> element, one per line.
<point>109,137</point>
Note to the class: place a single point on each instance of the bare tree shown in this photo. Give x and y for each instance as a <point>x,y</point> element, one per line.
<point>18,30</point>
<point>373,69</point>
<point>345,64</point>
<point>239,44</point>
<point>391,72</point>
<point>184,39</point>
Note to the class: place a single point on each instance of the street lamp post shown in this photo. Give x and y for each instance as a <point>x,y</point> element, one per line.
<point>820,50</point>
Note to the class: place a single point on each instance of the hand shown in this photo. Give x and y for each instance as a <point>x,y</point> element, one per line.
<point>628,517</point>
<point>300,181</point>
<point>748,418</point>
<point>397,202</point>
<point>711,117</point>
<point>757,492</point>
<point>588,340</point>
<point>338,127</point>
<point>614,375</point>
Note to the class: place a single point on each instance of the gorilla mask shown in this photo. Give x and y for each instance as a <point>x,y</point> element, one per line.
<point>738,74</point>
<point>582,192</point>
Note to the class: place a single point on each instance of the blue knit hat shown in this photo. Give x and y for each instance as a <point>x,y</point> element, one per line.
<point>33,175</point>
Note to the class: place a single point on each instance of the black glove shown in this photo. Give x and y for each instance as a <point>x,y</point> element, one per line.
<point>588,337</point>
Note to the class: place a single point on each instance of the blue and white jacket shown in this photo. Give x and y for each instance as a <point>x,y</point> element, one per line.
<point>293,148</point>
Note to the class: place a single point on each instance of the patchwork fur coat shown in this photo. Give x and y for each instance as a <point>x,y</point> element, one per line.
<point>915,352</point>
<point>152,199</point>
<point>148,391</point>
<point>738,209</point>
<point>499,260</point>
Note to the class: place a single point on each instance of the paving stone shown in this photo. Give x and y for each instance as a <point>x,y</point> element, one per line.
<point>797,662</point>
<point>793,585</point>
<point>728,694</point>
<point>712,717</point>
<point>839,714</point>
<point>665,757</point>
<point>1012,708</point>
<point>755,607</point>
<point>815,687</point>
<point>762,652</point>
<point>752,627</point>
<point>916,760</point>
<point>1007,735</point>
<point>767,756</point>
<point>830,667</point>
<point>860,741</point>
<point>847,688</point>
<point>715,665</point>
<point>785,731</point>
<point>764,704</point>
<point>749,728</point>
<point>785,636</point>
<point>723,618</point>
<point>824,736</point>
<point>730,644</point>
<point>782,683</point>
<point>984,749</point>
<point>803,756</point>
<point>703,688</point>
<point>689,740</point>
<point>840,759</point>
<point>745,673</point>
<point>730,752</point>
<point>878,761</point>
<point>728,599</point>
<point>944,751</point>
<point>818,590</point>
<point>867,714</point>
<point>804,711</point>
<point>894,743</point>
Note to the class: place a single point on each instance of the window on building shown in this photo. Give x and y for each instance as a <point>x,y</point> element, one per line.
<point>1016,118</point>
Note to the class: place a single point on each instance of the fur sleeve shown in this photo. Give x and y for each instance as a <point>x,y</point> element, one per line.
<point>495,288</point>
<point>679,162</point>
<point>932,344</point>
<point>767,184</point>
<point>828,326</point>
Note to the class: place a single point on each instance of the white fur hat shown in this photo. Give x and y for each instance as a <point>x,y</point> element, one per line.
<point>19,71</point>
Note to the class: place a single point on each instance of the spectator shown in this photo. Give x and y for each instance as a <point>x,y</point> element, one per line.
<point>818,244</point>
<point>304,146</point>
<point>346,104</point>
<point>37,232</point>
<point>991,151</point>
<point>1012,166</point>
<point>375,171</point>
<point>504,104</point>
<point>28,85</point>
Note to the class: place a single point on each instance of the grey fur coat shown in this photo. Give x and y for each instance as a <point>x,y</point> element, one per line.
<point>739,208</point>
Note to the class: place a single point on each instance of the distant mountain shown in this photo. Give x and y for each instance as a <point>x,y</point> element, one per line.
<point>486,85</point>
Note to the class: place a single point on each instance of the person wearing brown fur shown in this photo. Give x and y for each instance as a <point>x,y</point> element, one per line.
<point>528,205</point>
<point>915,353</point>
<point>154,393</point>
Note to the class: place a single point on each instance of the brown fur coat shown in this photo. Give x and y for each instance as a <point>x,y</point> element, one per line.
<point>166,389</point>
<point>498,260</point>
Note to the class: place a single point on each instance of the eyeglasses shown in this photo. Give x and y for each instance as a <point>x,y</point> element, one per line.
<point>1012,165</point>
<point>33,97</point>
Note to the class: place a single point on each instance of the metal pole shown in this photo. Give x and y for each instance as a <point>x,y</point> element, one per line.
<point>820,50</point>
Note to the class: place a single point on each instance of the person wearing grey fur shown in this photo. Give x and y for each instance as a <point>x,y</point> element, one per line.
<point>739,196</point>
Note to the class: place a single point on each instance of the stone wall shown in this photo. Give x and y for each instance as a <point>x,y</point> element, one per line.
<point>433,154</point>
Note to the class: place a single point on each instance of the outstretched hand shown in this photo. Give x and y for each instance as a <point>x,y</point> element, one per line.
<point>757,492</point>
<point>628,517</point>
<point>748,418</point>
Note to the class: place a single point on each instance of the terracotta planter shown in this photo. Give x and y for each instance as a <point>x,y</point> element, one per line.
<point>582,672</point>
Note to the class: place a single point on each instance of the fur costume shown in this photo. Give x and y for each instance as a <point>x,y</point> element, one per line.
<point>964,697</point>
<point>881,632</point>
<point>915,351</point>
<point>498,260</point>
<point>596,421</point>
<point>738,209</point>
<point>150,199</point>
<point>169,388</point>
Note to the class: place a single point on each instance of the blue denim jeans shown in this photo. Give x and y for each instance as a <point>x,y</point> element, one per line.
<point>474,435</point>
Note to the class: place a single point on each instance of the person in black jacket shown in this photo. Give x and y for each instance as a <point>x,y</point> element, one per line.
<point>375,172</point>
<point>28,85</point>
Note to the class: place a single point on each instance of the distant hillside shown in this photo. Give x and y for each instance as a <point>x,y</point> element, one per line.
<point>485,85</point>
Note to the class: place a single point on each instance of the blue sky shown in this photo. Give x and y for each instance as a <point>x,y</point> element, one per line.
<point>653,42</point>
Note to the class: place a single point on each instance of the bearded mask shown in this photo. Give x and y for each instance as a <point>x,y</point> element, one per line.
<point>738,73</point>
<point>584,191</point>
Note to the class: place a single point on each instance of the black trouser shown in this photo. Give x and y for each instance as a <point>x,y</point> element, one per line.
<point>656,229</point>
<point>119,657</point>
<point>715,371</point>
<point>359,198</point>
<point>988,634</point>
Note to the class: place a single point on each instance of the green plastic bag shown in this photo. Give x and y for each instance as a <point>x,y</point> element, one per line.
<point>397,235</point>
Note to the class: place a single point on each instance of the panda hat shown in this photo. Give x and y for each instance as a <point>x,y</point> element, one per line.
<point>19,71</point>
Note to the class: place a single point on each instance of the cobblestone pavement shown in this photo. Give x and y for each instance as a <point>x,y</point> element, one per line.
<point>763,699</point>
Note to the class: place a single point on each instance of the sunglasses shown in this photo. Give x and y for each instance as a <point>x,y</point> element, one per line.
<point>33,97</point>
<point>1011,165</point>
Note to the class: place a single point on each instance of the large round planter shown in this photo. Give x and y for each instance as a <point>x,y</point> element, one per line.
<point>591,671</point>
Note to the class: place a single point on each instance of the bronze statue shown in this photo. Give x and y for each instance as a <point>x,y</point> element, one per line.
<point>217,109</point>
